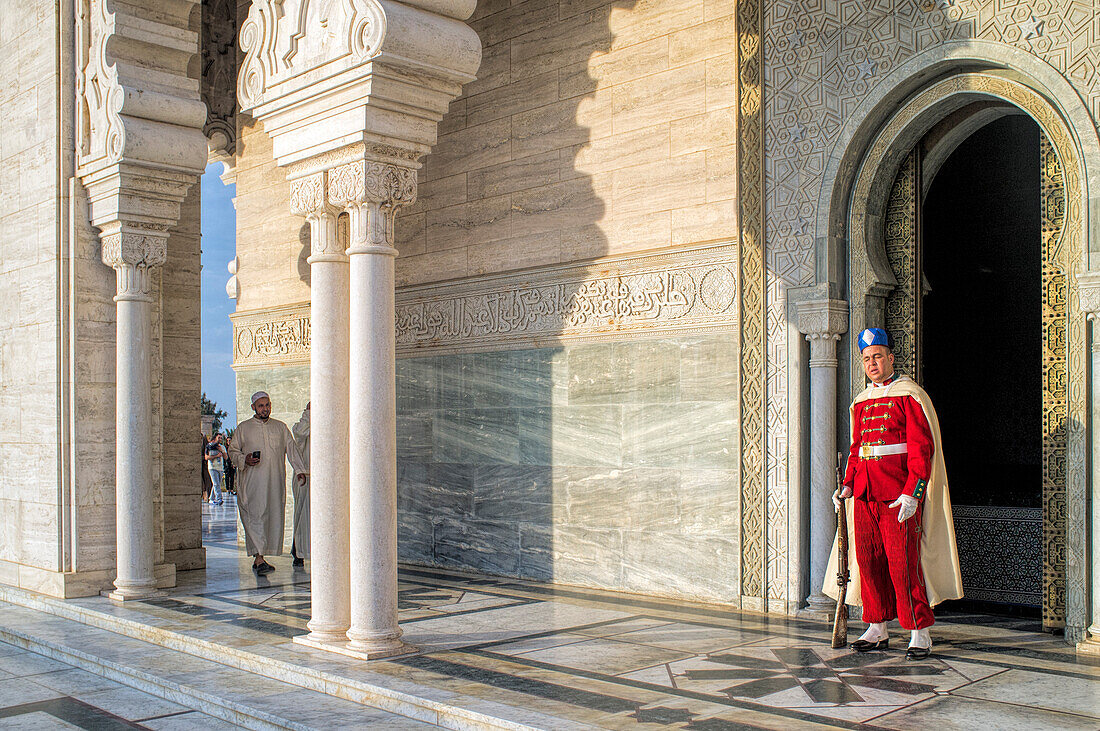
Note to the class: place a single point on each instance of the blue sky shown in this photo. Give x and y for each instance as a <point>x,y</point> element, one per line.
<point>219,245</point>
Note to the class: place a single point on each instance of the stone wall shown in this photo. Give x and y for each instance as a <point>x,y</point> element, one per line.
<point>592,129</point>
<point>610,465</point>
<point>594,132</point>
<point>181,389</point>
<point>30,537</point>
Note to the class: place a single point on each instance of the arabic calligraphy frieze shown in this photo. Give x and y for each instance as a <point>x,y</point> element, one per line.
<point>693,291</point>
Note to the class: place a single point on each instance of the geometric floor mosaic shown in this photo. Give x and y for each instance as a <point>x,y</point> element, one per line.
<point>619,661</point>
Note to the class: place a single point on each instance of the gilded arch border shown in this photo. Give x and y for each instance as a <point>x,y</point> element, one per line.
<point>870,280</point>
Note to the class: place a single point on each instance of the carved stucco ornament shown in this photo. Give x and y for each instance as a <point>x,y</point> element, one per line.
<point>100,133</point>
<point>286,38</point>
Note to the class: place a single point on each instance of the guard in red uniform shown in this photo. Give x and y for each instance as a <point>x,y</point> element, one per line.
<point>895,438</point>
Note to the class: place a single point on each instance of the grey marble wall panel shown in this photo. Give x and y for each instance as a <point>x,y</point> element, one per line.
<point>633,498</point>
<point>587,435</point>
<point>710,503</point>
<point>414,436</point>
<point>414,537</point>
<point>417,384</point>
<point>435,489</point>
<point>482,545</point>
<point>536,552</point>
<point>522,493</point>
<point>535,431</point>
<point>588,557</point>
<point>686,565</point>
<point>610,465</point>
<point>698,434</point>
<point>475,436</point>
<point>708,370</point>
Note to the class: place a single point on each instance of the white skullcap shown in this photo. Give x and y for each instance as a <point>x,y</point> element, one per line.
<point>259,395</point>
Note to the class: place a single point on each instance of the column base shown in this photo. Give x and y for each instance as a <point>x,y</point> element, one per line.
<point>1089,646</point>
<point>343,647</point>
<point>129,595</point>
<point>818,606</point>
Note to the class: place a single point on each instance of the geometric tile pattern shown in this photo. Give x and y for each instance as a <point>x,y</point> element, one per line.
<point>820,61</point>
<point>604,660</point>
<point>823,58</point>
<point>903,251</point>
<point>777,542</point>
<point>1055,384</point>
<point>752,280</point>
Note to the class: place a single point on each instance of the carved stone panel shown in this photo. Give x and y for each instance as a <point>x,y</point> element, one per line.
<point>900,238</point>
<point>691,291</point>
<point>1055,385</point>
<point>219,74</point>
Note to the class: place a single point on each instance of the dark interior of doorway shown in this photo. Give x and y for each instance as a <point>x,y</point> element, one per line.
<point>982,325</point>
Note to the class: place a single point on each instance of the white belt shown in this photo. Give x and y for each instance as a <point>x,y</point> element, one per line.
<point>872,451</point>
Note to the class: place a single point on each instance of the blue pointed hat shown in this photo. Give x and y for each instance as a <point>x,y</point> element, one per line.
<point>874,336</point>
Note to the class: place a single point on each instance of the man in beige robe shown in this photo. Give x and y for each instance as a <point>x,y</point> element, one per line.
<point>261,446</point>
<point>299,548</point>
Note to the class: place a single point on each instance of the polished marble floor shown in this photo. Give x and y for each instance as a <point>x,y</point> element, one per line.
<point>620,661</point>
<point>40,693</point>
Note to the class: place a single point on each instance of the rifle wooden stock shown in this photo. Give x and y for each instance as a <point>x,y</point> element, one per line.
<point>840,617</point>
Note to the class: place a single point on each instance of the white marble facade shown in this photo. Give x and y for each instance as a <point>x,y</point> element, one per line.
<point>604,233</point>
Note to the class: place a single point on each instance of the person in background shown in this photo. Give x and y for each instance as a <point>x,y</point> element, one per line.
<point>299,548</point>
<point>230,471</point>
<point>215,463</point>
<point>206,483</point>
<point>261,448</point>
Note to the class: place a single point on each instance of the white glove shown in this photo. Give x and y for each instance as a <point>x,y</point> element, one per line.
<point>908,505</point>
<point>839,494</point>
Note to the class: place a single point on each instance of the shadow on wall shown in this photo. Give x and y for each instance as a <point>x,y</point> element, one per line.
<point>608,464</point>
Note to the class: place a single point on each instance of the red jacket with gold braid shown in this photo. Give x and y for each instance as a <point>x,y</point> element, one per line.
<point>890,420</point>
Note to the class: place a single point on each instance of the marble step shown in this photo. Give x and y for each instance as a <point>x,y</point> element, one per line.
<point>236,696</point>
<point>404,698</point>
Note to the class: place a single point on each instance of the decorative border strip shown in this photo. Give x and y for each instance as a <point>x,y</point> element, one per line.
<point>685,291</point>
<point>750,162</point>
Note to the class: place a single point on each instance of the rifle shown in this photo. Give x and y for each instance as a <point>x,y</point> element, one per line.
<point>840,618</point>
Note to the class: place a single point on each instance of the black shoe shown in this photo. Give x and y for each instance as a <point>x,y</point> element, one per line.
<point>917,653</point>
<point>865,646</point>
<point>299,561</point>
<point>263,569</point>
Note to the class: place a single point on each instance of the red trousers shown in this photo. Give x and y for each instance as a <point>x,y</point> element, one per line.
<point>888,554</point>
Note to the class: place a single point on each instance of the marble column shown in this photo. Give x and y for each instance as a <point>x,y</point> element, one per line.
<point>132,254</point>
<point>822,322</point>
<point>1090,304</point>
<point>330,544</point>
<point>373,403</point>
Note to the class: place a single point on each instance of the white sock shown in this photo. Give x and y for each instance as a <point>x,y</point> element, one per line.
<point>920,638</point>
<point>875,632</point>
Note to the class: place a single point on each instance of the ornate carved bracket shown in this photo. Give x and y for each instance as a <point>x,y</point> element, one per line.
<point>312,66</point>
<point>139,141</point>
<point>131,250</point>
<point>823,322</point>
<point>219,76</point>
<point>1089,284</point>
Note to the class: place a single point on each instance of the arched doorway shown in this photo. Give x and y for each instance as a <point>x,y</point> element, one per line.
<point>970,217</point>
<point>870,282</point>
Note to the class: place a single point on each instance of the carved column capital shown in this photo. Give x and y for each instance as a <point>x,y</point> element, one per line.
<point>823,322</point>
<point>308,199</point>
<point>1089,293</point>
<point>1089,297</point>
<point>132,249</point>
<point>372,192</point>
